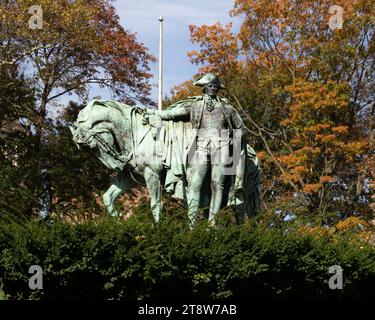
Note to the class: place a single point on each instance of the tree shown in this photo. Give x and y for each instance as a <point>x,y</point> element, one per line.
<point>298,84</point>
<point>321,153</point>
<point>80,43</point>
<point>19,182</point>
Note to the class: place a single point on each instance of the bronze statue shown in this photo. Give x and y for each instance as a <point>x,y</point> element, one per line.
<point>213,121</point>
<point>175,148</point>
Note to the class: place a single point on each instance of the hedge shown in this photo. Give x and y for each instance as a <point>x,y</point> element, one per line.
<point>109,258</point>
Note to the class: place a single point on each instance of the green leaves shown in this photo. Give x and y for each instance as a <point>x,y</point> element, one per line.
<point>103,259</point>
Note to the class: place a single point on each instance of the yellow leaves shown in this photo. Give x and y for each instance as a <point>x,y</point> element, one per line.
<point>70,21</point>
<point>325,138</point>
<point>368,236</point>
<point>316,231</point>
<point>312,188</point>
<point>350,223</point>
<point>317,127</point>
<point>355,147</point>
<point>286,122</point>
<point>309,151</point>
<point>359,230</point>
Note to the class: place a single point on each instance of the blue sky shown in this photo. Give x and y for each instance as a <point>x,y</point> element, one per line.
<point>141,17</point>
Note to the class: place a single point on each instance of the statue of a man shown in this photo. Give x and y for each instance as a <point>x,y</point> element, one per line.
<point>213,121</point>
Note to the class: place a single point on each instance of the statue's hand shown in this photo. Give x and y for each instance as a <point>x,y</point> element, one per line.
<point>145,120</point>
<point>144,110</point>
<point>139,109</point>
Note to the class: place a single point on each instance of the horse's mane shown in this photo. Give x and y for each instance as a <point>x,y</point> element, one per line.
<point>89,110</point>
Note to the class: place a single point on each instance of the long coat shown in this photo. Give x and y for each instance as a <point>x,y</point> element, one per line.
<point>192,109</point>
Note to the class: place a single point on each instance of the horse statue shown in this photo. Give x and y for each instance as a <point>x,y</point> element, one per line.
<point>153,153</point>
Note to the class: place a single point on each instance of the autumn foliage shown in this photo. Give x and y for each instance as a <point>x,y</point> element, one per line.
<point>305,91</point>
<point>79,47</point>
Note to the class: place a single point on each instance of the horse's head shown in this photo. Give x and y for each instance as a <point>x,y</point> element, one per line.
<point>99,131</point>
<point>82,137</point>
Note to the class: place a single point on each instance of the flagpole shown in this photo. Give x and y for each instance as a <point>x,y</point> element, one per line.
<point>160,96</point>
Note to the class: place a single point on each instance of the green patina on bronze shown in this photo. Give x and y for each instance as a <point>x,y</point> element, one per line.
<point>177,146</point>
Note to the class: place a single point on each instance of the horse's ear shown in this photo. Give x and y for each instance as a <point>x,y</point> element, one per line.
<point>74,134</point>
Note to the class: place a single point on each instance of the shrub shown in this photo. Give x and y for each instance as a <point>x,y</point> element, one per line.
<point>110,258</point>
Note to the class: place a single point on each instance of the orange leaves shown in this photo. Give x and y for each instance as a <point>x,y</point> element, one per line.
<point>218,45</point>
<point>326,179</point>
<point>313,97</point>
<point>296,34</point>
<point>288,159</point>
<point>300,170</point>
<point>286,177</point>
<point>316,231</point>
<point>312,101</point>
<point>317,127</point>
<point>312,188</point>
<point>193,53</point>
<point>262,155</point>
<point>300,80</point>
<point>185,90</point>
<point>81,42</point>
<point>290,70</point>
<point>286,122</point>
<point>325,138</point>
<point>309,150</point>
<point>340,129</point>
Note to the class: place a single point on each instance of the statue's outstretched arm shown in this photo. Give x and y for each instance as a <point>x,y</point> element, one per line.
<point>173,114</point>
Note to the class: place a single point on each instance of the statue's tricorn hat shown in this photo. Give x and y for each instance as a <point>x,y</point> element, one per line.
<point>208,78</point>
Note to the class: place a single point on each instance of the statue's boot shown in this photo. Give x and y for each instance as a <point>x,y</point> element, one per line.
<point>217,188</point>
<point>215,205</point>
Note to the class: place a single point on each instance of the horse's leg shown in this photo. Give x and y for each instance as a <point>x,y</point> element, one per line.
<point>120,185</point>
<point>153,185</point>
